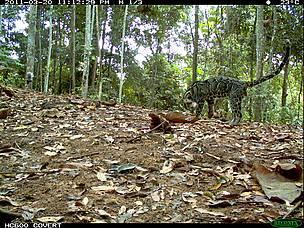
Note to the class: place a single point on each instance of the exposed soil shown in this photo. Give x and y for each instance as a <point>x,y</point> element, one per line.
<point>63,159</point>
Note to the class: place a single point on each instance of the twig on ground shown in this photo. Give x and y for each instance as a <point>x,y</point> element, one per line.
<point>139,136</point>
<point>292,209</point>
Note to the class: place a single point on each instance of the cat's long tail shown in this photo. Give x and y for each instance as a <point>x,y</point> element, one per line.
<point>267,77</point>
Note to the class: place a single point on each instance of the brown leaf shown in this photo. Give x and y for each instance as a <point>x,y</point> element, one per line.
<point>177,117</point>
<point>6,91</point>
<point>158,122</point>
<point>4,112</point>
<point>290,171</point>
<point>275,186</point>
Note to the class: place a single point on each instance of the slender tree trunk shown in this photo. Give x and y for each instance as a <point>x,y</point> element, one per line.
<point>260,51</point>
<point>273,37</point>
<point>285,84</point>
<point>301,89</point>
<point>97,52</point>
<point>72,54</point>
<point>85,76</point>
<point>30,57</point>
<point>101,54</point>
<point>122,77</point>
<point>0,20</point>
<point>46,79</point>
<point>39,55</point>
<point>195,45</point>
<point>42,54</point>
<point>110,61</point>
<point>58,56</point>
<point>252,60</point>
<point>92,87</point>
<point>59,86</point>
<point>55,55</point>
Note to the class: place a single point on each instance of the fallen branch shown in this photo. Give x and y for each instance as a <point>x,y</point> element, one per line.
<point>213,156</point>
<point>81,156</point>
<point>292,209</point>
<point>31,172</point>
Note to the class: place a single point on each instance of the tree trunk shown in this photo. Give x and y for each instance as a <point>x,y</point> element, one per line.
<point>85,76</point>
<point>97,52</point>
<point>110,60</point>
<point>195,45</point>
<point>46,79</point>
<point>39,56</point>
<point>285,85</point>
<point>55,55</point>
<point>101,54</point>
<point>273,37</point>
<point>0,20</point>
<point>301,89</point>
<point>252,60</point>
<point>122,77</point>
<point>30,56</point>
<point>72,54</point>
<point>59,86</point>
<point>259,60</point>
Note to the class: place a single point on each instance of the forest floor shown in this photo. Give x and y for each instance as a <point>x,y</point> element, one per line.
<point>67,160</point>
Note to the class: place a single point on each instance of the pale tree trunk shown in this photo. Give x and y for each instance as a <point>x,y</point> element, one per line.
<point>267,85</point>
<point>85,76</point>
<point>91,35</point>
<point>259,60</point>
<point>251,76</point>
<point>72,54</point>
<point>195,45</point>
<point>59,86</point>
<point>97,52</point>
<point>38,39</point>
<point>55,54</point>
<point>30,56</point>
<point>47,75</point>
<point>0,20</point>
<point>273,37</point>
<point>122,78</point>
<point>101,55</point>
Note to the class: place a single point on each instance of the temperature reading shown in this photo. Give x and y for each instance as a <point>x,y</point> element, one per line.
<point>288,2</point>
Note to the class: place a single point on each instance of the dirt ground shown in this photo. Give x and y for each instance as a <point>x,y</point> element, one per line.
<point>64,159</point>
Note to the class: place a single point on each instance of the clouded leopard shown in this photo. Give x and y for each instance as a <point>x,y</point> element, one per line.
<point>216,87</point>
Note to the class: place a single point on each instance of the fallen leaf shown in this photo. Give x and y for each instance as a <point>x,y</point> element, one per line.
<point>189,197</point>
<point>167,167</point>
<point>155,196</point>
<point>177,117</point>
<point>50,153</point>
<point>50,219</point>
<point>204,211</point>
<point>276,186</point>
<point>85,201</point>
<point>219,203</point>
<point>125,167</point>
<point>101,176</point>
<point>105,214</point>
<point>290,171</point>
<point>104,188</point>
<point>76,137</point>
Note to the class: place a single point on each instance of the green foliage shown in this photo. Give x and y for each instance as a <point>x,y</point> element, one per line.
<point>158,86</point>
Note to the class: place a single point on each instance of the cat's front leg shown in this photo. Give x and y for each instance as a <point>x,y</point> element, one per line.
<point>235,104</point>
<point>210,108</point>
